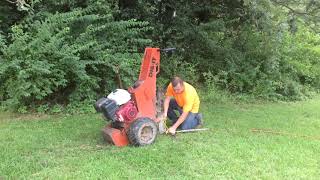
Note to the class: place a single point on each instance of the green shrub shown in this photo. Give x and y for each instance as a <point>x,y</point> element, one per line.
<point>175,66</point>
<point>301,53</point>
<point>70,57</point>
<point>258,64</point>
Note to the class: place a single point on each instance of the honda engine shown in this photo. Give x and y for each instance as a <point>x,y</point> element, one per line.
<point>117,107</point>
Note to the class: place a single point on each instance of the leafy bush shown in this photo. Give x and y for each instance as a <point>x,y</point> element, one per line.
<point>301,53</point>
<point>70,57</point>
<point>259,64</point>
<point>175,66</point>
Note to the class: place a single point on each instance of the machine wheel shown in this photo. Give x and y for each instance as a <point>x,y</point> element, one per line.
<point>142,131</point>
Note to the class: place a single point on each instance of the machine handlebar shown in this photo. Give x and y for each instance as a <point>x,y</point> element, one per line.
<point>166,50</point>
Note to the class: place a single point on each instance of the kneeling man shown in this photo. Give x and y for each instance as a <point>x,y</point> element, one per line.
<point>182,98</point>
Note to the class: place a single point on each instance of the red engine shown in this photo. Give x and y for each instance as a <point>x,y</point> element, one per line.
<point>127,112</point>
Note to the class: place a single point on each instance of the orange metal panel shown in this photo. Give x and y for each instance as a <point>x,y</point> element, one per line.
<point>145,94</point>
<point>115,136</point>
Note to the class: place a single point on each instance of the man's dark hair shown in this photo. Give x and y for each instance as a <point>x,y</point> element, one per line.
<point>176,80</point>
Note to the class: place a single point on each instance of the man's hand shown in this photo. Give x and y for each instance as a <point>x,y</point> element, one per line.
<point>171,130</point>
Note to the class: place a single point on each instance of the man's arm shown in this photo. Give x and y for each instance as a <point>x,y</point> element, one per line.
<point>180,120</point>
<point>186,109</point>
<point>172,129</point>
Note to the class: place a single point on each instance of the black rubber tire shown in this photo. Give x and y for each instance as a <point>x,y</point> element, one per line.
<point>142,131</point>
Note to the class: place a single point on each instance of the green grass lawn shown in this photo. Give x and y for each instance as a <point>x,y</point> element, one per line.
<point>55,147</point>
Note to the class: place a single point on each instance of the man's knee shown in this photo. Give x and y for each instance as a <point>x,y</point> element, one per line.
<point>190,122</point>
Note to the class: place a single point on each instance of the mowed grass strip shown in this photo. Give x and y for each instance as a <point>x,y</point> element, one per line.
<point>38,147</point>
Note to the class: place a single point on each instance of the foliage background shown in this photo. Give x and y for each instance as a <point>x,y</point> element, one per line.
<point>56,54</point>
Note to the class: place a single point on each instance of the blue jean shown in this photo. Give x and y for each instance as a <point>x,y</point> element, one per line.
<point>189,123</point>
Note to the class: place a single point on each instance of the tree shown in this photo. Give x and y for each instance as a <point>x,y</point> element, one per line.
<point>306,10</point>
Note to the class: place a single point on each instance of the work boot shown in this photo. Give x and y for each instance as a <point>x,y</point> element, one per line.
<point>199,117</point>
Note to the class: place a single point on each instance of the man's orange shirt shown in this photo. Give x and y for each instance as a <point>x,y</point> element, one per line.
<point>188,99</point>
